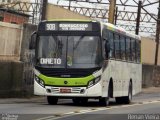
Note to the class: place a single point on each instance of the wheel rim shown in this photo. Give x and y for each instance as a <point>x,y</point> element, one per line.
<point>107,101</point>
<point>130,96</point>
<point>130,92</point>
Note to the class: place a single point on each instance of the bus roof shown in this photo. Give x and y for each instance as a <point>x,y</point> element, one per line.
<point>120,30</point>
<point>70,20</point>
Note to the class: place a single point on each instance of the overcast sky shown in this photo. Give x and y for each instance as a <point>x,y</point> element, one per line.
<point>151,8</point>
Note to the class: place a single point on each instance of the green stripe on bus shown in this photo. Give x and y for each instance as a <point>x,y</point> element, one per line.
<point>83,81</point>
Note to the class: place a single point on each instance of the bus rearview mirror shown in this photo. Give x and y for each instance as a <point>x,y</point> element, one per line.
<point>32,43</point>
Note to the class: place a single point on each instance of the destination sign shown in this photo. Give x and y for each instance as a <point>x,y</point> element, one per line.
<point>50,27</point>
<point>68,26</point>
<point>76,26</point>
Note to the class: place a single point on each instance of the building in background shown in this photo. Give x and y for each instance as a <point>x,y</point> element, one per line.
<point>6,1</point>
<point>10,1</point>
<point>12,16</point>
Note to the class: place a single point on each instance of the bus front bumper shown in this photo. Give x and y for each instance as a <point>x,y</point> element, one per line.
<point>94,91</point>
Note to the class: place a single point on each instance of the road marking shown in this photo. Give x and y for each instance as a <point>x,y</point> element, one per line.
<point>70,113</point>
<point>58,116</point>
<point>45,118</point>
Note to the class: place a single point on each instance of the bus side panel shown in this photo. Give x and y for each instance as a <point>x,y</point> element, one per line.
<point>121,73</point>
<point>113,72</point>
<point>137,85</point>
<point>105,77</point>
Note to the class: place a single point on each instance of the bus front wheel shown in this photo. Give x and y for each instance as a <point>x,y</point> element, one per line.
<point>104,101</point>
<point>52,100</point>
<point>76,101</point>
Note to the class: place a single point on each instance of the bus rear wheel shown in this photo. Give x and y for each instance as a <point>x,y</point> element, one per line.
<point>125,99</point>
<point>119,100</point>
<point>52,100</point>
<point>128,99</point>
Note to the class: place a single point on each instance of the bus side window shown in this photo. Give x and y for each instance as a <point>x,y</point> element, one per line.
<point>107,49</point>
<point>128,52</point>
<point>123,47</point>
<point>117,46</point>
<point>138,51</point>
<point>108,43</point>
<point>105,43</point>
<point>111,44</point>
<point>133,50</point>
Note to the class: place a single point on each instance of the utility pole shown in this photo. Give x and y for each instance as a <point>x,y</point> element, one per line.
<point>138,17</point>
<point>69,5</point>
<point>116,16</point>
<point>112,11</point>
<point>157,35</point>
<point>44,9</point>
<point>157,47</point>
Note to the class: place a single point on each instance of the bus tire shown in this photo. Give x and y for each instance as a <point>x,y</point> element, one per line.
<point>128,99</point>
<point>52,100</point>
<point>104,101</point>
<point>76,101</point>
<point>119,100</point>
<point>84,101</point>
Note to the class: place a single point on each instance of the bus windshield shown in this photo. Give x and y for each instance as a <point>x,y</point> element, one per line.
<point>69,51</point>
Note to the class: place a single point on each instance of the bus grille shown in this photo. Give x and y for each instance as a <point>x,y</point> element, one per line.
<point>56,90</point>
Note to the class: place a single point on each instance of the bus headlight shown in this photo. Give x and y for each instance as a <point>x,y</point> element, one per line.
<point>93,82</point>
<point>39,81</point>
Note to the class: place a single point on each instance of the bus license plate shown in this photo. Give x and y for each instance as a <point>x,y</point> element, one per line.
<point>65,90</point>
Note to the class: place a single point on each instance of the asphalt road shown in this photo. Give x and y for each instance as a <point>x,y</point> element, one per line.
<point>146,111</point>
<point>28,110</point>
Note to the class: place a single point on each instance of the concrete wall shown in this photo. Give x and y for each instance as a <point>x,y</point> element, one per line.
<point>27,56</point>
<point>10,39</point>
<point>148,51</point>
<point>159,56</point>
<point>16,64</point>
<point>150,73</point>
<point>147,75</point>
<point>57,12</point>
<point>156,78</point>
<point>11,74</point>
<point>15,40</point>
<point>28,29</point>
<point>150,76</point>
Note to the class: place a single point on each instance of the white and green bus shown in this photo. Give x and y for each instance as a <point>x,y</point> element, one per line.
<point>80,60</point>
